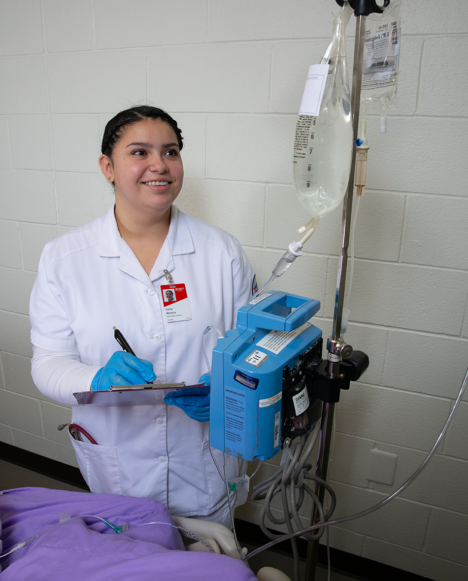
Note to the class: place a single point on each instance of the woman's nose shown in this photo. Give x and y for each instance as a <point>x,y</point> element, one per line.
<point>157,163</point>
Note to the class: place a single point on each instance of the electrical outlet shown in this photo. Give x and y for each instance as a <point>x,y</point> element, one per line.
<point>382,467</point>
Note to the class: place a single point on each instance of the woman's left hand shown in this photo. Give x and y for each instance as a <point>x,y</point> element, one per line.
<point>194,401</point>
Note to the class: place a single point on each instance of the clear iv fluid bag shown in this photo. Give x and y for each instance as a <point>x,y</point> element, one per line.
<point>323,144</point>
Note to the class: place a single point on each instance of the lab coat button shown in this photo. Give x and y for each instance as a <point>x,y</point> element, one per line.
<point>160,421</point>
<point>157,337</point>
<point>162,459</point>
<point>151,291</point>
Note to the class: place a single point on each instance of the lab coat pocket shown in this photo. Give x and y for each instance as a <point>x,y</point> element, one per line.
<point>99,466</point>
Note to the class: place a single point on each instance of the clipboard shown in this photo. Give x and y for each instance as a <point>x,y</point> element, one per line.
<point>152,394</point>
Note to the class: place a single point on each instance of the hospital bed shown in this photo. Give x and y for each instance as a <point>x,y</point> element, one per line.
<point>97,537</point>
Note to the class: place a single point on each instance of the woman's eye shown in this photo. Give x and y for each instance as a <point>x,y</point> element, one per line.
<point>139,152</point>
<point>172,152</point>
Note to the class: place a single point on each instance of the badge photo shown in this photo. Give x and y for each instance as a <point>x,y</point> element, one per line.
<point>175,302</point>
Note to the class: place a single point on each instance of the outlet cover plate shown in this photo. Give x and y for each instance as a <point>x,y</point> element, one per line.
<point>382,467</point>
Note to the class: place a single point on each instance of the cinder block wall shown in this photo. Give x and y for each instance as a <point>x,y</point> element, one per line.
<point>232,73</point>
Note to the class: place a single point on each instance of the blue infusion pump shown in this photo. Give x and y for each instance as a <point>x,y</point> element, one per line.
<point>261,374</point>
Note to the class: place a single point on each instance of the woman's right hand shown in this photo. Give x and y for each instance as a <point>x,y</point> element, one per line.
<point>123,369</point>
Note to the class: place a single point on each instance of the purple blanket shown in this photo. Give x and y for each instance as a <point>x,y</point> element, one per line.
<point>82,548</point>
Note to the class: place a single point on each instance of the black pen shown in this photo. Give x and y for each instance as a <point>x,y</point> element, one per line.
<point>124,344</point>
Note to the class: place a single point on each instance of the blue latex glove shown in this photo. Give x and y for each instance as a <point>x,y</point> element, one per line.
<point>123,369</point>
<point>194,401</point>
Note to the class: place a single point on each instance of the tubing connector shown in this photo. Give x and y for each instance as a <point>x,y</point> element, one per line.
<point>295,248</point>
<point>308,229</point>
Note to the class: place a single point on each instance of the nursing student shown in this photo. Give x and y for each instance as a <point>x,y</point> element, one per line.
<point>113,272</point>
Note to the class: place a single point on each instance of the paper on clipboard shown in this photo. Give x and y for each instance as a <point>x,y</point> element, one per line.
<point>124,397</point>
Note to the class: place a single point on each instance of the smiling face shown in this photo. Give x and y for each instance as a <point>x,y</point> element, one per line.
<point>146,168</point>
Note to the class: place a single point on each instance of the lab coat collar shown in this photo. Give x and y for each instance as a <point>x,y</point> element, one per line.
<point>179,237</point>
<point>109,244</point>
<point>178,241</point>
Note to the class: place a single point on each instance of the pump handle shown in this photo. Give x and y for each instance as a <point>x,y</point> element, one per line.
<point>277,311</point>
<point>364,7</point>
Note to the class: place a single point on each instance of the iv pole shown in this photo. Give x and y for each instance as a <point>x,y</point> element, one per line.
<point>337,348</point>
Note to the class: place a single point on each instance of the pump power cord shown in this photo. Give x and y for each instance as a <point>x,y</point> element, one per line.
<point>290,482</point>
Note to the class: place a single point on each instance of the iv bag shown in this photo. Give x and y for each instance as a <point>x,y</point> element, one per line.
<point>324,139</point>
<point>381,59</point>
<point>381,54</point>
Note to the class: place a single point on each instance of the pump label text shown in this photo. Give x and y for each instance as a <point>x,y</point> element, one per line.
<point>234,431</point>
<point>264,403</point>
<point>256,358</point>
<point>276,341</point>
<point>301,401</point>
<point>277,426</point>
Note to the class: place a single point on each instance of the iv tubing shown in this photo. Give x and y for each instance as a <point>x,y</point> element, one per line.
<point>115,528</point>
<point>385,501</point>
<point>351,246</point>
<point>145,524</point>
<point>294,251</point>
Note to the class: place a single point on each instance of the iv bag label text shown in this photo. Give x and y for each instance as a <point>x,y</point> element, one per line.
<point>314,88</point>
<point>301,142</point>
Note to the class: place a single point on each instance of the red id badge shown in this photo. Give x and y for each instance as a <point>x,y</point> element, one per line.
<point>175,303</point>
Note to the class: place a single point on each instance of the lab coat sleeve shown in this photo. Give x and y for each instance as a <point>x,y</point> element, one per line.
<point>59,375</point>
<point>50,325</point>
<point>243,278</point>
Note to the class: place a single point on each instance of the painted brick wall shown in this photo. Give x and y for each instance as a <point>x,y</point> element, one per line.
<point>232,73</point>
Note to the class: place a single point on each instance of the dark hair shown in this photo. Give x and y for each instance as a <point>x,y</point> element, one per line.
<point>114,128</point>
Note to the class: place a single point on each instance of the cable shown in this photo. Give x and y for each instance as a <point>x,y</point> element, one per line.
<point>231,512</point>
<point>260,462</point>
<point>289,482</point>
<point>367,511</point>
<point>220,336</point>
<point>216,464</point>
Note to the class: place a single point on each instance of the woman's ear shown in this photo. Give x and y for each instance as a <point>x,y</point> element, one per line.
<point>107,168</point>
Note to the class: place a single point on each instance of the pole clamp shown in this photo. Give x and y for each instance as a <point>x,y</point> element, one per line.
<point>365,7</point>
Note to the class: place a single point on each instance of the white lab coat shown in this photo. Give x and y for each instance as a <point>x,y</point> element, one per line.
<point>89,281</point>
